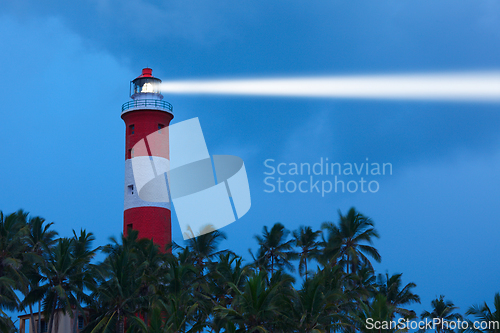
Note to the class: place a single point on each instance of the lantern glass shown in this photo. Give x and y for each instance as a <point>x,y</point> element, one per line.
<point>146,85</point>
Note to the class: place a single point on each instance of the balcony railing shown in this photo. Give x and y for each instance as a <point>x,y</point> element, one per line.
<point>148,103</point>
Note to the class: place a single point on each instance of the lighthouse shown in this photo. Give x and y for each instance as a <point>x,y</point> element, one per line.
<point>147,117</point>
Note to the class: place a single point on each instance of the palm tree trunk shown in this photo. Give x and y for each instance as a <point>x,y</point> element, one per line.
<point>272,264</point>
<point>32,320</point>
<point>120,323</point>
<point>51,321</point>
<point>347,264</point>
<point>52,315</point>
<point>75,320</point>
<point>121,326</point>
<point>306,267</point>
<point>39,328</point>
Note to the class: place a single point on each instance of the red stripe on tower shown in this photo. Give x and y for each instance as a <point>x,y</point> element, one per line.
<point>144,115</point>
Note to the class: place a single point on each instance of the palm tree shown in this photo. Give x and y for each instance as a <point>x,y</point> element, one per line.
<point>116,296</point>
<point>6,324</point>
<point>162,319</point>
<point>344,244</point>
<point>151,267</point>
<point>155,324</point>
<point>12,248</point>
<point>200,252</point>
<point>39,240</point>
<point>379,310</point>
<point>396,296</point>
<point>442,311</point>
<point>316,307</point>
<point>39,236</point>
<point>254,308</point>
<point>274,249</point>
<point>305,239</point>
<point>361,286</point>
<point>85,274</point>
<point>59,291</point>
<point>484,314</point>
<point>204,247</point>
<point>223,272</point>
<point>182,295</point>
<point>22,244</point>
<point>346,296</point>
<point>31,280</point>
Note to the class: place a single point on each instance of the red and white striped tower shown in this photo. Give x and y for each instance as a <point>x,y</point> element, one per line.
<point>144,115</point>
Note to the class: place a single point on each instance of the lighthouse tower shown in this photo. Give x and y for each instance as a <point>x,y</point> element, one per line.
<point>146,118</point>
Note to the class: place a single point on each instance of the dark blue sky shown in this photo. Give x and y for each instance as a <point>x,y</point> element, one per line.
<point>66,68</point>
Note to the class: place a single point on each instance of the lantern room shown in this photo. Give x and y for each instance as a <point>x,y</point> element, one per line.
<point>145,86</point>
<point>145,94</point>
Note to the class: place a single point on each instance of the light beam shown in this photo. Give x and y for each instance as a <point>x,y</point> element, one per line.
<point>468,86</point>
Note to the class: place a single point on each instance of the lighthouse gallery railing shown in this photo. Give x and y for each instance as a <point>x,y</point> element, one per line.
<point>154,103</point>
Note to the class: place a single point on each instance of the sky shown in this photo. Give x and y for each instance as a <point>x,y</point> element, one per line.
<point>66,68</point>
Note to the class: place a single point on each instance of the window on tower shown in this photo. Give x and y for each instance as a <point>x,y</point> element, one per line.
<point>131,129</point>
<point>131,189</point>
<point>160,126</point>
<point>130,153</point>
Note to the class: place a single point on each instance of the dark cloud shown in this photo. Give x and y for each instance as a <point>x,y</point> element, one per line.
<point>200,38</point>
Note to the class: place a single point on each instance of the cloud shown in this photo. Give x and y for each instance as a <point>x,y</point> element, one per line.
<point>199,38</point>
<point>129,26</point>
